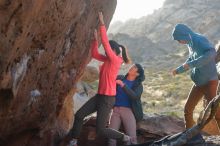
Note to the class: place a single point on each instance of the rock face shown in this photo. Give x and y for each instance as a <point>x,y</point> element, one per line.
<point>156,29</point>
<point>44,48</point>
<point>160,125</point>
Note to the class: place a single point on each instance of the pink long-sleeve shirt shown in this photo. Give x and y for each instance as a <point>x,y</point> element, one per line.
<point>110,67</point>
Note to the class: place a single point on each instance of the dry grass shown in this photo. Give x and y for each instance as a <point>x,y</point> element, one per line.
<point>165,94</point>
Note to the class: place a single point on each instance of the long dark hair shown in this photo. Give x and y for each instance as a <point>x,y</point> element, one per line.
<point>141,77</point>
<point>116,47</point>
<point>140,70</point>
<point>125,56</point>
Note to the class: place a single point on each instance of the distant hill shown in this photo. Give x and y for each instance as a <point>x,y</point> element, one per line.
<point>149,42</point>
<point>149,38</point>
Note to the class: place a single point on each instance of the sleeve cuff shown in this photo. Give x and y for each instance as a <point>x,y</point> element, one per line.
<point>180,69</point>
<point>190,64</point>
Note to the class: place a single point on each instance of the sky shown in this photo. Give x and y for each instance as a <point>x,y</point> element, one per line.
<point>127,9</point>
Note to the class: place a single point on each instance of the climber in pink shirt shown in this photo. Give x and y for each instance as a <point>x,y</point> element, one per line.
<point>104,100</point>
<point>111,64</point>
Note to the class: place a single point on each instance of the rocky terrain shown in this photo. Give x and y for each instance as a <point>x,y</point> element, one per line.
<point>151,35</point>
<point>149,42</point>
<point>44,48</point>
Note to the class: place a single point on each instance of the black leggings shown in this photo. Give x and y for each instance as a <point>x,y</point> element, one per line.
<point>103,105</point>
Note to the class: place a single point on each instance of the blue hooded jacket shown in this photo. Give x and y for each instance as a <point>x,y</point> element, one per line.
<point>201,55</point>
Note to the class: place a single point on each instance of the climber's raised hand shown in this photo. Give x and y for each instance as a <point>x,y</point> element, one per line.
<point>101,19</point>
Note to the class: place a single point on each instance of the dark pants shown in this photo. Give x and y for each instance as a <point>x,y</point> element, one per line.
<point>103,105</point>
<point>209,91</point>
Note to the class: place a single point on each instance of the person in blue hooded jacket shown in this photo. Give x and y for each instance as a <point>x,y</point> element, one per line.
<point>201,62</point>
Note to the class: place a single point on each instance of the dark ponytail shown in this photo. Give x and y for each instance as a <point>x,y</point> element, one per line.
<point>115,46</point>
<point>125,56</point>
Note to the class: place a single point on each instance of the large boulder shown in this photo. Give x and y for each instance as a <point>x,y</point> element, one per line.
<point>157,126</point>
<point>44,48</point>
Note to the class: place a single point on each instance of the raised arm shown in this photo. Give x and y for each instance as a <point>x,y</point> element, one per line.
<point>104,38</point>
<point>94,48</point>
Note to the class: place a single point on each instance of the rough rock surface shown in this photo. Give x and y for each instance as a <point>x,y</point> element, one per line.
<point>160,125</point>
<point>44,48</point>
